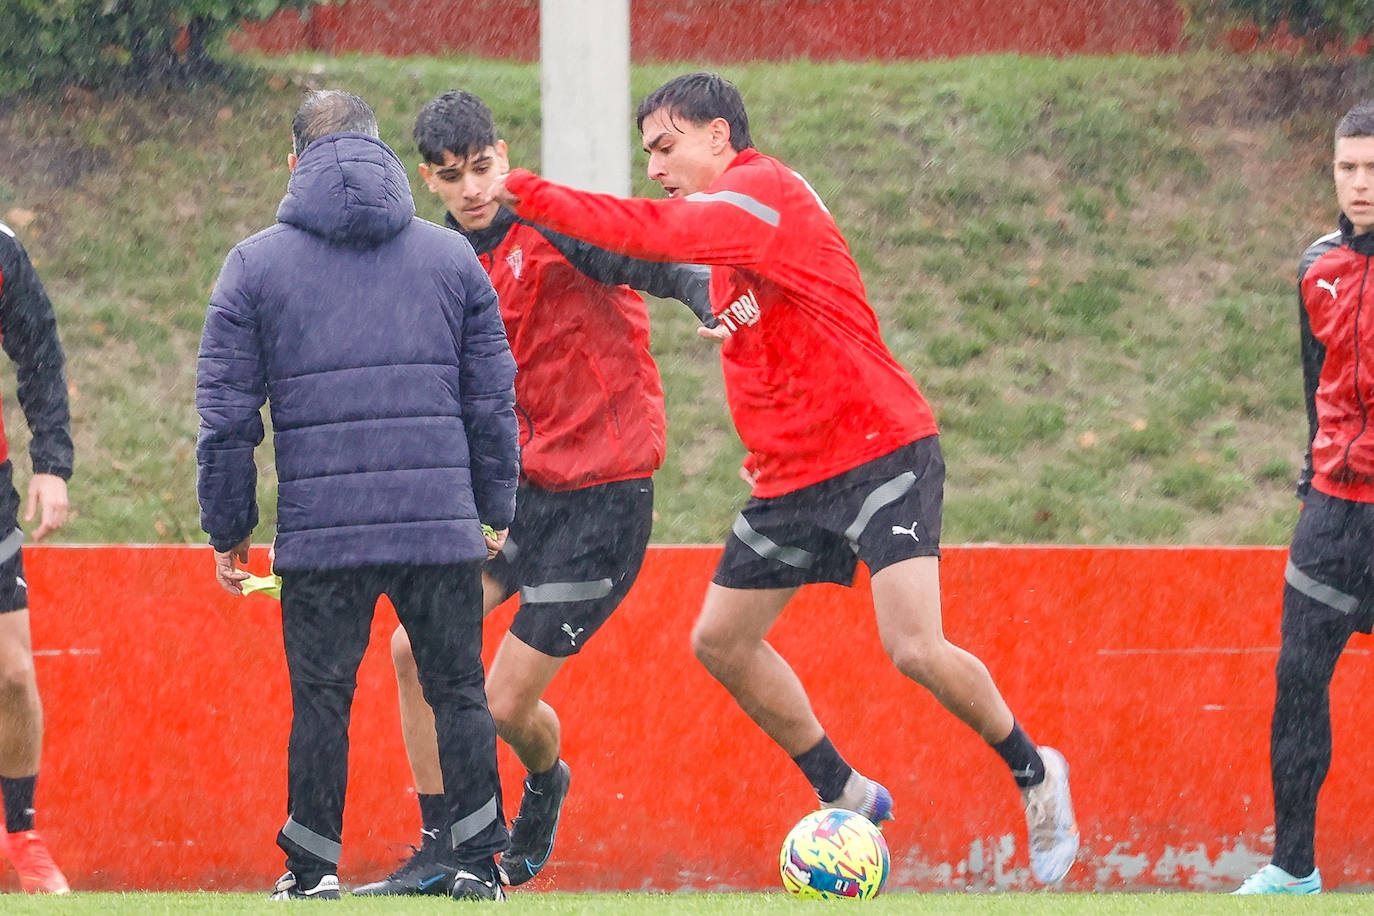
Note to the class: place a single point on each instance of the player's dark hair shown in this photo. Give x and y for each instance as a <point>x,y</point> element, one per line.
<point>456,121</point>
<point>700,98</point>
<point>1358,121</point>
<point>330,111</point>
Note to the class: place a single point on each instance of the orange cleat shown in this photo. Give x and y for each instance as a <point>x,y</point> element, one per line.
<point>38,873</point>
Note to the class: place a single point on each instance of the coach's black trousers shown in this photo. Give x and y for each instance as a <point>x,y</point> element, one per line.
<point>1300,734</point>
<point>326,621</point>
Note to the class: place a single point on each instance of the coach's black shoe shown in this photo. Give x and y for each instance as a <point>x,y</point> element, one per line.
<point>326,887</point>
<point>478,881</point>
<point>532,832</point>
<point>420,875</point>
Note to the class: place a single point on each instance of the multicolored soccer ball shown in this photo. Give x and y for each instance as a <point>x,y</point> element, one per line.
<point>832,854</point>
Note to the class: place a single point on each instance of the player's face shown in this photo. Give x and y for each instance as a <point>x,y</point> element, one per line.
<point>684,157</point>
<point>465,185</point>
<point>1354,168</point>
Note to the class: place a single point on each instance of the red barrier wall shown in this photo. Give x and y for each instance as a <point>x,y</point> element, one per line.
<point>167,715</point>
<point>725,31</point>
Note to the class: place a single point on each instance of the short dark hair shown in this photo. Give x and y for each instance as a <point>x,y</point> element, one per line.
<point>456,121</point>
<point>700,98</point>
<point>1358,121</point>
<point>330,111</point>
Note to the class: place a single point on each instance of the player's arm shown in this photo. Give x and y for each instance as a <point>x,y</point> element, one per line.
<point>1313,356</point>
<point>230,391</point>
<point>688,283</point>
<point>28,331</point>
<point>487,390</point>
<point>722,227</point>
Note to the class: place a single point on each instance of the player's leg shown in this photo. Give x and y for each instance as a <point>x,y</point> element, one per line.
<point>441,609</point>
<point>775,546</point>
<point>583,551</point>
<point>1326,584</point>
<point>906,599</point>
<point>896,532</point>
<point>326,622</point>
<point>21,739</point>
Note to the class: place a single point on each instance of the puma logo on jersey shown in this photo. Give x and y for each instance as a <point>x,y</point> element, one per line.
<point>1329,287</point>
<point>743,311</point>
<point>898,529</point>
<point>516,261</point>
<point>572,634</point>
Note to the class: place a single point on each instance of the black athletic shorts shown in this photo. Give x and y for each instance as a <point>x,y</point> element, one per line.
<point>1330,557</point>
<point>14,591</point>
<point>882,512</point>
<point>573,556</point>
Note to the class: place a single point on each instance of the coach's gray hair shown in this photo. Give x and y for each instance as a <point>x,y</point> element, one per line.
<point>330,111</point>
<point>1358,122</point>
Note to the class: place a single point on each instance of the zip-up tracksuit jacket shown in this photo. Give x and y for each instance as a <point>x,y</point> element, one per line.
<point>1336,286</point>
<point>28,332</point>
<point>588,394</point>
<point>812,388</point>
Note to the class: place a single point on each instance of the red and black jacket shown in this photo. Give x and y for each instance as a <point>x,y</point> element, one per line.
<point>28,332</point>
<point>588,393</point>
<point>1336,291</point>
<point>812,387</point>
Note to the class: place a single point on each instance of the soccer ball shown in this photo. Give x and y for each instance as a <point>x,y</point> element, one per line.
<point>833,853</point>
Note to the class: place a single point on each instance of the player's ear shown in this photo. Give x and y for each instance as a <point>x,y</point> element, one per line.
<point>426,175</point>
<point>502,157</point>
<point>291,161</point>
<point>720,135</point>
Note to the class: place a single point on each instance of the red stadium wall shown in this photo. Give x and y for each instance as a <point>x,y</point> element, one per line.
<point>725,31</point>
<point>167,715</point>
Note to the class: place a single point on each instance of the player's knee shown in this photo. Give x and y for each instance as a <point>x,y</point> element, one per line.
<point>401,655</point>
<point>713,647</point>
<point>17,676</point>
<point>917,659</point>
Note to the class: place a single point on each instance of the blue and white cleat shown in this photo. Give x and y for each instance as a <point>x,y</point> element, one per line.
<point>1050,823</point>
<point>1274,880</point>
<point>865,796</point>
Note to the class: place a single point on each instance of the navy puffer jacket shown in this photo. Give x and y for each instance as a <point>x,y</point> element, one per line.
<point>376,339</point>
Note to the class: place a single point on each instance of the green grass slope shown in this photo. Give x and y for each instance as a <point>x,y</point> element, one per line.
<point>1086,263</point>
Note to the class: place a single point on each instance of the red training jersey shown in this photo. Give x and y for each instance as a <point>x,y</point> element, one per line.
<point>1335,283</point>
<point>812,388</point>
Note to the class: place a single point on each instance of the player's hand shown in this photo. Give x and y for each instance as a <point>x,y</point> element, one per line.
<point>48,500</point>
<point>748,474</point>
<point>501,194</point>
<point>227,572</point>
<point>718,334</point>
<point>495,539</point>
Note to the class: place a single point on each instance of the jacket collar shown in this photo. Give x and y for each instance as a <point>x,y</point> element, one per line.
<point>1362,244</point>
<point>485,240</point>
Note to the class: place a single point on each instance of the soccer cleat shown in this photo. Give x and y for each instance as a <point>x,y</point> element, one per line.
<point>1274,880</point>
<point>1049,820</point>
<point>288,888</point>
<point>38,873</point>
<point>479,881</point>
<point>864,796</point>
<point>420,875</point>
<point>532,831</point>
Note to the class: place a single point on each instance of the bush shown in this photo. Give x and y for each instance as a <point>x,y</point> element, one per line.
<point>1343,20</point>
<point>90,42</point>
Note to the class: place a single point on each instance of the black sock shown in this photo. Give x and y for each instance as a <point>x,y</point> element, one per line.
<point>433,813</point>
<point>1018,750</point>
<point>541,781</point>
<point>825,769</point>
<point>18,802</point>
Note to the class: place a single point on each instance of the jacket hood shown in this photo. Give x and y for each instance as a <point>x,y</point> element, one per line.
<point>348,188</point>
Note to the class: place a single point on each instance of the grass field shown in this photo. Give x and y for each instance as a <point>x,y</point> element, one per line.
<point>1042,904</point>
<point>1086,263</point>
